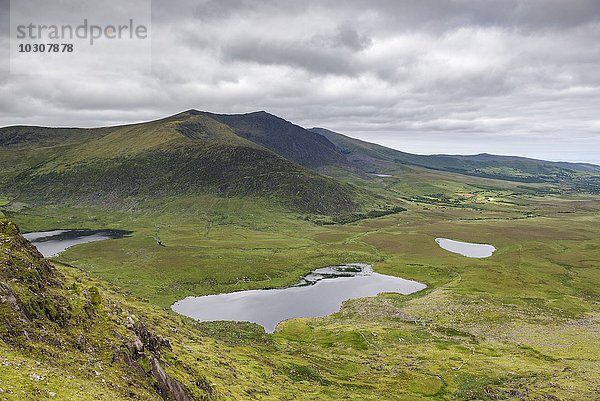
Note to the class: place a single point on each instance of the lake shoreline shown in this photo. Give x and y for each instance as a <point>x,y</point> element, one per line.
<point>51,243</point>
<point>320,293</point>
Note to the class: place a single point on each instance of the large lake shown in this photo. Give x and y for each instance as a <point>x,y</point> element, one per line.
<point>466,248</point>
<point>51,243</point>
<point>320,293</point>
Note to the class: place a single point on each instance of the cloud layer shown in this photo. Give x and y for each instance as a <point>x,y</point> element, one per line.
<point>509,77</point>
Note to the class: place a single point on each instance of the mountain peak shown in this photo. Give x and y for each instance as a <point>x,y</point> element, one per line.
<point>283,137</point>
<point>192,112</point>
<point>196,112</point>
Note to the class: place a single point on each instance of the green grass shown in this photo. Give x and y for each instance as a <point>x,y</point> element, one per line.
<point>211,245</point>
<point>522,324</point>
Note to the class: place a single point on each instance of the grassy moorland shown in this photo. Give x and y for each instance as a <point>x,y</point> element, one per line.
<point>220,203</point>
<point>522,324</point>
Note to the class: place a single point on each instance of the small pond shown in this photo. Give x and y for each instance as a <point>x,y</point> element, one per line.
<point>467,249</point>
<point>51,243</point>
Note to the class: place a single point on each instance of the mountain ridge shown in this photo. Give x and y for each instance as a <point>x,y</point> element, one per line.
<point>5,139</point>
<point>579,177</point>
<point>251,154</point>
<point>478,156</point>
<point>188,153</point>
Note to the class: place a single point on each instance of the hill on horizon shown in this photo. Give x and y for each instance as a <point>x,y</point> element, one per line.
<point>252,154</point>
<point>516,168</point>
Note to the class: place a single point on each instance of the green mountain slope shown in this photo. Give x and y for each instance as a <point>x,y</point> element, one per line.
<point>189,153</point>
<point>255,154</point>
<point>522,324</point>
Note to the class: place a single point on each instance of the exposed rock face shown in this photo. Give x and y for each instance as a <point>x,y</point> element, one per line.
<point>148,345</point>
<point>129,322</point>
<point>152,342</point>
<point>168,387</point>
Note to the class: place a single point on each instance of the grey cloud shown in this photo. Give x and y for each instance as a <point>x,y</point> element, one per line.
<point>4,43</point>
<point>423,14</point>
<point>348,37</point>
<point>525,14</point>
<point>311,58</point>
<point>463,76</point>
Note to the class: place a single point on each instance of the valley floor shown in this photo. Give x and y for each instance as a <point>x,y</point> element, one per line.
<point>522,324</point>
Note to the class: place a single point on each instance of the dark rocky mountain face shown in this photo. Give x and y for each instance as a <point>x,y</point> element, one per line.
<point>288,140</point>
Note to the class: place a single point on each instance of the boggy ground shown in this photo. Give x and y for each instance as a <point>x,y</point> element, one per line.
<point>522,324</point>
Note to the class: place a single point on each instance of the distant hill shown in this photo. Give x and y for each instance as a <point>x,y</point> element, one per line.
<point>371,157</point>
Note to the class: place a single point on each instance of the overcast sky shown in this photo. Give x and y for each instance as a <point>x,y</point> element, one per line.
<point>425,76</point>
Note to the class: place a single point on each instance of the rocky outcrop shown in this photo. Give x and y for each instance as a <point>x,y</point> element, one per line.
<point>143,355</point>
<point>168,387</point>
<point>153,342</point>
